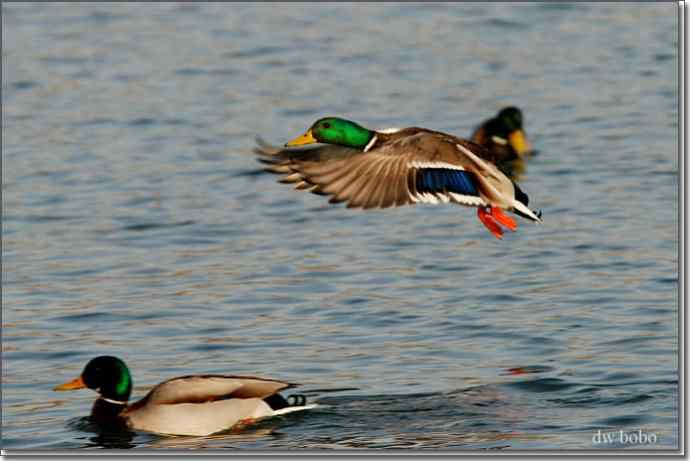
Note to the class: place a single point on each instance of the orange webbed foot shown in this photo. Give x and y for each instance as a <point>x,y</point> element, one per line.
<point>493,218</point>
<point>503,218</point>
<point>488,220</point>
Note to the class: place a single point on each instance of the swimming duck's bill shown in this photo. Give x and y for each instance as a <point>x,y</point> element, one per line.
<point>306,138</point>
<point>76,383</point>
<point>519,142</point>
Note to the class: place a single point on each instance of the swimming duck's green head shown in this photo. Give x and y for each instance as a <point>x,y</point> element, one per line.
<point>333,130</point>
<point>107,375</point>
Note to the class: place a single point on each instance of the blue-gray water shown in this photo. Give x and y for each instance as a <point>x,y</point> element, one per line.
<point>135,224</point>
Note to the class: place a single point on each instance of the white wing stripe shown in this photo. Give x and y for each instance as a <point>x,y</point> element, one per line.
<point>430,198</point>
<point>435,199</point>
<point>469,200</point>
<point>424,197</point>
<point>447,166</point>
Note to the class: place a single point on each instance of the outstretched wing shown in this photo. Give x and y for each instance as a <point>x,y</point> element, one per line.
<point>421,166</point>
<point>277,158</point>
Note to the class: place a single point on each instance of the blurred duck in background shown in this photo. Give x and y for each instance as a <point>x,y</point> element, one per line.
<point>504,135</point>
<point>505,140</point>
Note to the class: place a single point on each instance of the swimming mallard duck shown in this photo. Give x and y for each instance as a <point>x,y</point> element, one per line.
<point>188,405</point>
<point>379,169</point>
<point>503,136</point>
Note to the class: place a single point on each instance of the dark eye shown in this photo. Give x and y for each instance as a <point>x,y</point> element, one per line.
<point>326,125</point>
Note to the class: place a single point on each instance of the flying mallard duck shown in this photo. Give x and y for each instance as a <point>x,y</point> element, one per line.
<point>503,136</point>
<point>188,405</point>
<point>379,169</point>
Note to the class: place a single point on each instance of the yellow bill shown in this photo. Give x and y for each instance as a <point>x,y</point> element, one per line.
<point>519,143</point>
<point>306,138</point>
<point>76,383</point>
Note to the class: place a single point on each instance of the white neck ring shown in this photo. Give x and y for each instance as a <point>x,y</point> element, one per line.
<point>116,402</point>
<point>371,143</point>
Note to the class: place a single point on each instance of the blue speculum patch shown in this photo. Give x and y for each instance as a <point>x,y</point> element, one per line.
<point>446,180</point>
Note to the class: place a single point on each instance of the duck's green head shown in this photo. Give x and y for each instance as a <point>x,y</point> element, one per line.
<point>333,130</point>
<point>508,126</point>
<point>107,375</point>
